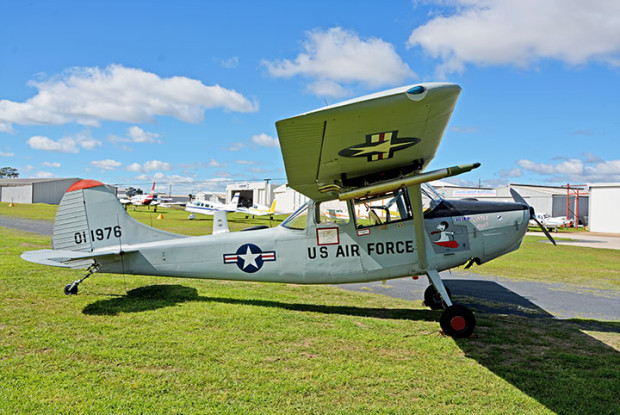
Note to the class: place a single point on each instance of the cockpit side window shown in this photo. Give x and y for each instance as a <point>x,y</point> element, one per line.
<point>382,209</point>
<point>333,211</point>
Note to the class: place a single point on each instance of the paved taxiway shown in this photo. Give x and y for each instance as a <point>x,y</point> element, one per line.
<point>482,293</point>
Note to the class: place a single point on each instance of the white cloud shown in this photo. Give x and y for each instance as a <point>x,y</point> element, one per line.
<point>106,164</point>
<point>7,154</point>
<point>516,172</point>
<point>138,135</point>
<point>234,147</point>
<point>43,175</point>
<point>65,144</point>
<point>265,140</point>
<point>116,93</point>
<point>340,56</point>
<point>165,178</point>
<point>464,130</point>
<point>50,164</point>
<point>6,127</point>
<point>258,170</point>
<point>590,170</point>
<point>230,63</point>
<point>521,32</point>
<point>149,166</point>
<point>327,88</point>
<point>215,163</point>
<point>245,162</point>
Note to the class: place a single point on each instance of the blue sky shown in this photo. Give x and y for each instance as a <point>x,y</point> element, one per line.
<point>187,93</point>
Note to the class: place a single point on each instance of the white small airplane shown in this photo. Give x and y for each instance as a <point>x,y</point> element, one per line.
<point>549,222</point>
<point>205,207</point>
<point>145,200</point>
<point>262,210</point>
<point>369,151</point>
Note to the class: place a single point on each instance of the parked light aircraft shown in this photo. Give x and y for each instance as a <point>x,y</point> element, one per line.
<point>206,207</point>
<point>261,210</point>
<point>366,151</point>
<point>549,222</point>
<point>140,200</point>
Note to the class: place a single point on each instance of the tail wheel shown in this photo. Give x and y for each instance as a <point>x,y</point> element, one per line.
<point>432,298</point>
<point>457,321</point>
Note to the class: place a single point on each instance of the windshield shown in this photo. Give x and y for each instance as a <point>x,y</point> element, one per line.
<point>430,196</point>
<point>298,219</point>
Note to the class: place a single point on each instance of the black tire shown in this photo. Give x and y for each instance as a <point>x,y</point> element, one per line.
<point>432,298</point>
<point>458,321</point>
<point>71,289</point>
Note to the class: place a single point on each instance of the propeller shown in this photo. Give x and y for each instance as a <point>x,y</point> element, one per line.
<point>519,199</point>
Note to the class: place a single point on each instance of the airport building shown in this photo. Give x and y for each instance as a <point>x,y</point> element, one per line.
<point>604,199</point>
<point>251,193</point>
<point>34,190</point>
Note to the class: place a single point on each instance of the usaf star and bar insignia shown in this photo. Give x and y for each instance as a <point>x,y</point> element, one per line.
<point>249,258</point>
<point>379,146</point>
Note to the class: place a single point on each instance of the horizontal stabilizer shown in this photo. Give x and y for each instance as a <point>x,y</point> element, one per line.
<point>68,259</point>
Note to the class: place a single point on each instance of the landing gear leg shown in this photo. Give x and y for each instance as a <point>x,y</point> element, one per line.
<point>72,289</point>
<point>456,320</point>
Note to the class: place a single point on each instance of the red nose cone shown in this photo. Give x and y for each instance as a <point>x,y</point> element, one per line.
<point>84,184</point>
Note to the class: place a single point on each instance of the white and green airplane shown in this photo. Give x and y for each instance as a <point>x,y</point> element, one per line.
<point>365,156</point>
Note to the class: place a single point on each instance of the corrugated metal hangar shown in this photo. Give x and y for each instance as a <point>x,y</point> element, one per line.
<point>34,190</point>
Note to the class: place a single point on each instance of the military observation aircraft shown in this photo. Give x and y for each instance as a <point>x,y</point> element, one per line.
<point>366,154</point>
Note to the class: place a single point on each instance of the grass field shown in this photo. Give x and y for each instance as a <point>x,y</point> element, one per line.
<point>159,345</point>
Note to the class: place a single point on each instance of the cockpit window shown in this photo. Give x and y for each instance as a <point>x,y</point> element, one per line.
<point>334,211</point>
<point>382,209</point>
<point>430,196</point>
<point>298,219</point>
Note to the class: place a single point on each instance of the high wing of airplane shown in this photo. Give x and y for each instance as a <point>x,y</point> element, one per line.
<point>206,207</point>
<point>364,155</point>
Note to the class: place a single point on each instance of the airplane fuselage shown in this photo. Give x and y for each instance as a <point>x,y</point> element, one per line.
<point>329,253</point>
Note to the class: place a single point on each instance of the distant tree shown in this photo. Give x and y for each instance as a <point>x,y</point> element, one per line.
<point>9,172</point>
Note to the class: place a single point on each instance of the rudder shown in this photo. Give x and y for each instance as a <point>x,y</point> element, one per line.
<point>90,216</point>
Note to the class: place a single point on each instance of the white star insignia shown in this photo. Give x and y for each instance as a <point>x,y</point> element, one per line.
<point>249,258</point>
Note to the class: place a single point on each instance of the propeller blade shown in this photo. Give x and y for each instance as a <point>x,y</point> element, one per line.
<point>517,197</point>
<point>545,231</point>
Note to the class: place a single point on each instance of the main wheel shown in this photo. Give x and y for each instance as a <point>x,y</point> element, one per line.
<point>432,298</point>
<point>457,321</point>
<point>71,289</point>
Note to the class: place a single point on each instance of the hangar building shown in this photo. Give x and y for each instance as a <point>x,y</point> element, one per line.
<point>604,200</point>
<point>34,190</point>
<point>251,193</point>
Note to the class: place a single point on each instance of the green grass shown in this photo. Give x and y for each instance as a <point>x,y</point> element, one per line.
<point>541,261</point>
<point>158,345</point>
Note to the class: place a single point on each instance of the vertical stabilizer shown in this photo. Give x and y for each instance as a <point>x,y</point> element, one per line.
<point>90,217</point>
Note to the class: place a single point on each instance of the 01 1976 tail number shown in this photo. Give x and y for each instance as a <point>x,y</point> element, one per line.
<point>97,234</point>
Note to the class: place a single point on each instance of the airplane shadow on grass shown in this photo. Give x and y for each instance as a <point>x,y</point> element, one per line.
<point>553,361</point>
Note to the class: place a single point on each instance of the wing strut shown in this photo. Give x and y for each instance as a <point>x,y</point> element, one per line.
<point>415,193</point>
